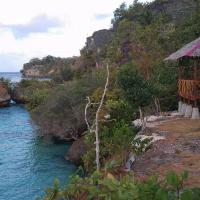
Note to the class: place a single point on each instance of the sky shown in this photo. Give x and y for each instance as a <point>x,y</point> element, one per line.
<point>37,28</point>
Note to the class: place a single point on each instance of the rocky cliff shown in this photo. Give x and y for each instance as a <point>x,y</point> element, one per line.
<point>48,66</point>
<point>99,39</point>
<point>4,95</point>
<point>176,10</point>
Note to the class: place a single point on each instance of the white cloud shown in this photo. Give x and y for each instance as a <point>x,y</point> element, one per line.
<point>79,20</point>
<point>39,24</point>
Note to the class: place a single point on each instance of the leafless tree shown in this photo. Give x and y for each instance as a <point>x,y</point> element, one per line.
<point>94,128</point>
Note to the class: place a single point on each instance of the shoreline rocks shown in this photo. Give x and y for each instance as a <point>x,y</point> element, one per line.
<point>77,150</point>
<point>5,97</point>
<point>18,96</point>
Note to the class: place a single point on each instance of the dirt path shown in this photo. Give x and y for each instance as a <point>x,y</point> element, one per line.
<point>179,151</point>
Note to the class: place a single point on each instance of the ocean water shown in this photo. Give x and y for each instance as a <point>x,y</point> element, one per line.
<point>17,76</point>
<point>13,76</point>
<point>28,164</point>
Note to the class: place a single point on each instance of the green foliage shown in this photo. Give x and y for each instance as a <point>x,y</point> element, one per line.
<point>111,165</point>
<point>36,98</point>
<point>54,192</point>
<point>164,81</point>
<point>59,69</point>
<point>66,74</point>
<point>34,91</point>
<point>62,113</point>
<point>110,136</point>
<point>187,31</point>
<point>135,88</point>
<point>119,13</point>
<point>119,110</point>
<point>144,38</point>
<point>106,187</point>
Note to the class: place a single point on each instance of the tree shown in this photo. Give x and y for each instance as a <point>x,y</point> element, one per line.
<point>95,127</point>
<point>119,14</point>
<point>135,88</point>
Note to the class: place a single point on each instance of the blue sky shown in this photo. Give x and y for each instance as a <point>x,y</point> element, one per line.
<point>36,28</point>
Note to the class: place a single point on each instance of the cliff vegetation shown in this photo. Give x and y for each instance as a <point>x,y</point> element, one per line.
<point>140,84</point>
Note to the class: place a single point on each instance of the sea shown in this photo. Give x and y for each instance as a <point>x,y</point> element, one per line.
<point>28,164</point>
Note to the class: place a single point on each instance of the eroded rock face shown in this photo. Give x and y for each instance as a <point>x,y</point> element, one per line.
<point>99,39</point>
<point>18,95</point>
<point>77,151</point>
<point>4,96</point>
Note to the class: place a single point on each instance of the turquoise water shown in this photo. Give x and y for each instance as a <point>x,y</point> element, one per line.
<point>27,164</point>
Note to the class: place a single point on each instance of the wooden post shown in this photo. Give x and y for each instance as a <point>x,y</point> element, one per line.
<point>195,79</point>
<point>195,71</point>
<point>179,72</point>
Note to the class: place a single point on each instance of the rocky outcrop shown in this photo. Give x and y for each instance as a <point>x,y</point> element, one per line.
<point>178,151</point>
<point>46,67</point>
<point>77,151</point>
<point>4,96</point>
<point>33,71</point>
<point>99,39</point>
<point>18,95</point>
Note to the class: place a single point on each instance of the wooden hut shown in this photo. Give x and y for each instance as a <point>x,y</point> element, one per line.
<point>189,78</point>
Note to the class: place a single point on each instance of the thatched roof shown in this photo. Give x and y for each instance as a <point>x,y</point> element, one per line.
<point>190,50</point>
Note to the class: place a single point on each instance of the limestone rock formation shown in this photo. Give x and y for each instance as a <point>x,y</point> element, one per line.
<point>4,96</point>
<point>99,39</point>
<point>46,67</point>
<point>18,95</point>
<point>77,151</point>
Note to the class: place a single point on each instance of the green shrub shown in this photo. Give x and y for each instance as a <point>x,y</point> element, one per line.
<point>120,110</point>
<point>115,140</point>
<point>135,88</point>
<point>106,187</point>
<point>36,98</point>
<point>62,113</point>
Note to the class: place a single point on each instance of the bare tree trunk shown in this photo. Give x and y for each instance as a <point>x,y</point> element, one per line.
<point>159,107</point>
<point>156,104</point>
<point>97,119</point>
<point>142,119</point>
<point>95,127</point>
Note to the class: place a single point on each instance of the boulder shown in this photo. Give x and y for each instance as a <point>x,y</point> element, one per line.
<point>18,95</point>
<point>77,151</point>
<point>4,96</point>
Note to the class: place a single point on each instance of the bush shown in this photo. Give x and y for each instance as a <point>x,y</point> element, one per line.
<point>36,98</point>
<point>120,110</point>
<point>62,113</point>
<point>115,141</point>
<point>33,92</point>
<point>135,88</point>
<point>104,186</point>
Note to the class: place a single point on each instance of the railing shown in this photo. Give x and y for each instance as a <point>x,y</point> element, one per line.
<point>189,89</point>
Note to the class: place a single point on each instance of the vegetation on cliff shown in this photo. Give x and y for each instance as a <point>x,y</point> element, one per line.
<point>105,186</point>
<point>140,83</point>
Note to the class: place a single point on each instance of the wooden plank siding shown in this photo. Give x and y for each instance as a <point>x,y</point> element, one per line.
<point>189,89</point>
